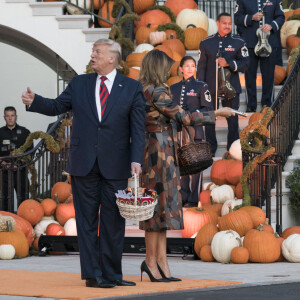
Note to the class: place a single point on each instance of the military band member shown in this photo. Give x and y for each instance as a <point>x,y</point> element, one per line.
<point>235,58</point>
<point>248,18</point>
<point>192,95</point>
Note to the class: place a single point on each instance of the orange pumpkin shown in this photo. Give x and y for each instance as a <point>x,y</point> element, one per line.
<point>267,227</point>
<point>133,73</point>
<point>61,191</point>
<point>286,233</point>
<point>165,49</point>
<point>135,59</point>
<point>174,69</point>
<point>49,206</point>
<point>140,6</point>
<point>96,4</point>
<point>256,214</point>
<point>218,172</point>
<point>31,210</point>
<point>204,197</point>
<point>238,221</point>
<point>64,212</point>
<point>172,80</point>
<point>204,237</point>
<point>292,41</point>
<point>193,220</point>
<point>215,207</point>
<point>55,229</point>
<point>233,171</point>
<point>239,191</point>
<point>103,13</point>
<point>206,254</point>
<point>177,6</point>
<point>193,36</point>
<point>262,245</point>
<point>175,45</point>
<point>143,33</point>
<point>239,255</point>
<point>155,17</point>
<point>279,74</point>
<point>176,56</point>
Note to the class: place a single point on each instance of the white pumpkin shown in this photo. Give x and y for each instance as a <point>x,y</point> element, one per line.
<point>40,228</point>
<point>212,27</point>
<point>235,150</point>
<point>222,244</point>
<point>189,16</point>
<point>143,48</point>
<point>222,193</point>
<point>288,28</point>
<point>208,186</point>
<point>70,227</point>
<point>73,10</point>
<point>229,205</point>
<point>291,248</point>
<point>157,37</point>
<point>7,251</point>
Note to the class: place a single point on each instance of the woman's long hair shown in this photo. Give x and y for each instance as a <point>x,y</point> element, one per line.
<point>155,68</point>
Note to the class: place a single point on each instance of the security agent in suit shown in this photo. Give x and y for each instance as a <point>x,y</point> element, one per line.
<point>248,18</point>
<point>235,58</point>
<point>192,95</point>
<point>105,150</point>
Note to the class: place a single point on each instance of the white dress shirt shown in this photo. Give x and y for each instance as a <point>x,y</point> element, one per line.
<point>109,83</point>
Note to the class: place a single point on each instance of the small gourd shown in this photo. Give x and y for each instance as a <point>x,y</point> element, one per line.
<point>7,252</point>
<point>222,193</point>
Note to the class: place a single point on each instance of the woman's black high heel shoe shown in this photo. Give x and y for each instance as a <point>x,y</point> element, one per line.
<point>164,276</point>
<point>144,268</point>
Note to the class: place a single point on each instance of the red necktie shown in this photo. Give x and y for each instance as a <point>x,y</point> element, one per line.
<point>103,94</point>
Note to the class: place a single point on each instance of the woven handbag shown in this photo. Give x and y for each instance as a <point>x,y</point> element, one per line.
<point>194,157</point>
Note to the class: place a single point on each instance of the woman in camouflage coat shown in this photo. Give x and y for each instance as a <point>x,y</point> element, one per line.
<point>160,170</point>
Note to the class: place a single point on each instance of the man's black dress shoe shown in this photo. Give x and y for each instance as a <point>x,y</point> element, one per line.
<point>99,282</point>
<point>123,283</point>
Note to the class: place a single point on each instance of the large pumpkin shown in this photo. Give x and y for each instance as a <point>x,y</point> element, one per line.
<point>204,237</point>
<point>143,33</point>
<point>49,206</point>
<point>133,73</point>
<point>174,69</point>
<point>218,172</point>
<point>64,212</point>
<point>279,74</point>
<point>31,210</point>
<point>140,6</point>
<point>204,197</point>
<point>212,27</point>
<point>238,221</point>
<point>288,231</point>
<point>288,28</point>
<point>256,214</point>
<point>175,45</point>
<point>291,248</point>
<point>193,220</point>
<point>61,191</point>
<point>177,6</point>
<point>234,170</point>
<point>155,17</point>
<point>135,59</point>
<point>165,49</point>
<point>292,41</point>
<point>193,36</point>
<point>103,13</point>
<point>262,245</point>
<point>196,17</point>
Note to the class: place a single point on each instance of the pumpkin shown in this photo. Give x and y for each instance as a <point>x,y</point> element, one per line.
<point>96,4</point>
<point>106,15</point>
<point>262,245</point>
<point>222,193</point>
<point>239,191</point>
<point>157,37</point>
<point>61,191</point>
<point>222,244</point>
<point>165,49</point>
<point>279,74</point>
<point>292,41</point>
<point>23,225</point>
<point>140,6</point>
<point>256,214</point>
<point>64,212</point>
<point>135,59</point>
<point>174,69</point>
<point>209,186</point>
<point>41,227</point>
<point>143,48</point>
<point>229,205</point>
<point>143,33</point>
<point>218,172</point>
<point>193,36</point>
<point>193,220</point>
<point>206,254</point>
<point>55,229</point>
<point>17,239</point>
<point>7,252</point>
<point>172,80</point>
<point>49,206</point>
<point>291,248</point>
<point>204,197</point>
<point>212,27</point>
<point>155,17</point>
<point>176,56</point>
<point>257,116</point>
<point>238,221</point>
<point>3,222</point>
<point>288,28</point>
<point>289,231</point>
<point>177,6</point>
<point>73,10</point>
<point>196,17</point>
<point>204,237</point>
<point>239,255</point>
<point>133,73</point>
<point>31,210</point>
<point>235,150</point>
<point>70,227</point>
<point>175,45</point>
<point>267,227</point>
<point>233,171</point>
<point>214,207</point>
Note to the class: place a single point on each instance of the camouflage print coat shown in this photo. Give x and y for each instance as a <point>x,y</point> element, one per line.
<point>160,170</point>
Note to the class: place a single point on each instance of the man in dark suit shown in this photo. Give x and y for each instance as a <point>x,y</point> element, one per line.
<point>107,141</point>
<point>248,17</point>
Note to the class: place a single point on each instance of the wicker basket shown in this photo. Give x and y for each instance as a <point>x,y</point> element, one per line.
<point>136,212</point>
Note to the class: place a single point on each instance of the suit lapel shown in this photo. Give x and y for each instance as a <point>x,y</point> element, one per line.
<point>114,95</point>
<point>91,93</point>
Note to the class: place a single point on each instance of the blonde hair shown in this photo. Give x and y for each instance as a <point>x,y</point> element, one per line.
<point>113,48</point>
<point>155,68</point>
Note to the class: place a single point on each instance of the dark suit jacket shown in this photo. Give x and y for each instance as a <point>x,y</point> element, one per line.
<point>116,141</point>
